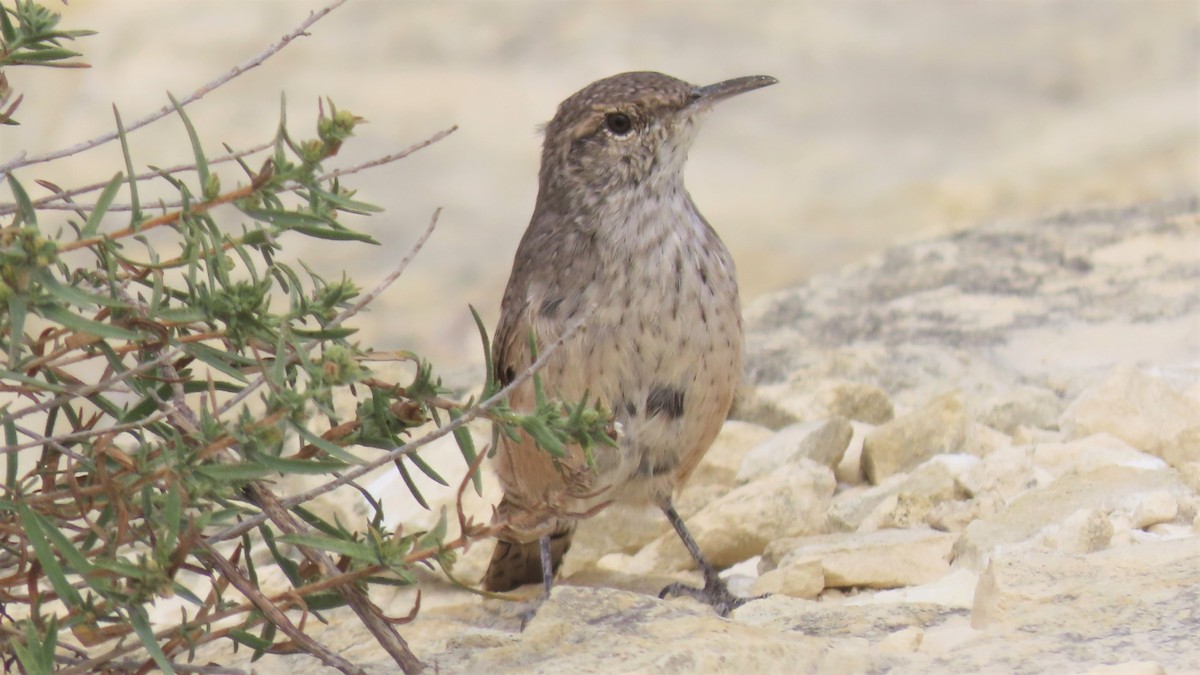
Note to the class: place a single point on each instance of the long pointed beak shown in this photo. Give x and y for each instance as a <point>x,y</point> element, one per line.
<point>707,96</point>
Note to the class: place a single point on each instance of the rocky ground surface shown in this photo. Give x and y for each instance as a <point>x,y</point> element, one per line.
<point>976,453</point>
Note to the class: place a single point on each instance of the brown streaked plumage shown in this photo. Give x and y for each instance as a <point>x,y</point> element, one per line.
<point>615,232</point>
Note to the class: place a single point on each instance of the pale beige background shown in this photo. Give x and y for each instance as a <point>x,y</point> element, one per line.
<point>892,119</point>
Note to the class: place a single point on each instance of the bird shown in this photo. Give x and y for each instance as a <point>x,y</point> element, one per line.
<point>615,237</point>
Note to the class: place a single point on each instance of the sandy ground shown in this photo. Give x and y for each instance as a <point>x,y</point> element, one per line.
<point>891,119</point>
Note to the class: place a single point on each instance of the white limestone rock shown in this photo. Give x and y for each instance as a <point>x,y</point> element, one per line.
<point>822,441</point>
<point>1112,489</point>
<point>1090,453</point>
<point>882,559</point>
<point>1146,589</point>
<point>1154,508</point>
<point>955,589</point>
<point>940,427</point>
<point>1141,409</point>
<point>802,579</point>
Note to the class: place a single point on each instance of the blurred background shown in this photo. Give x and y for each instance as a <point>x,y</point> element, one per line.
<point>891,121</point>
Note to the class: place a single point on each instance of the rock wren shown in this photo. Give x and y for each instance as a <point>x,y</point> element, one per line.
<point>615,230</point>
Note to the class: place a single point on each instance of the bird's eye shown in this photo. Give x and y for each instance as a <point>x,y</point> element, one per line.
<point>618,123</point>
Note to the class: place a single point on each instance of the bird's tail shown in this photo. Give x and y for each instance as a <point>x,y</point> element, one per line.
<point>515,563</point>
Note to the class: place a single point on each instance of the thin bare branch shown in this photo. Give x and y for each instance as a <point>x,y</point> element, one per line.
<point>367,612</point>
<point>88,390</point>
<point>39,439</point>
<point>388,280</point>
<point>277,616</point>
<point>46,203</point>
<point>388,159</point>
<point>23,161</point>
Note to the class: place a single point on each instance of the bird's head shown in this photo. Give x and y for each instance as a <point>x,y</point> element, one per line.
<point>628,131</point>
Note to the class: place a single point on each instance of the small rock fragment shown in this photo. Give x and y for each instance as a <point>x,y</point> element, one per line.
<point>822,441</point>
<point>883,559</point>
<point>804,579</point>
<point>938,428</point>
<point>1155,507</point>
<point>849,470</point>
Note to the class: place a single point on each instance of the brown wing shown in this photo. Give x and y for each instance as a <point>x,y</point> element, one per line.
<point>527,473</point>
<point>510,344</point>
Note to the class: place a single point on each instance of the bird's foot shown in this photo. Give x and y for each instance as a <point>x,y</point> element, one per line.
<point>527,614</point>
<point>715,594</point>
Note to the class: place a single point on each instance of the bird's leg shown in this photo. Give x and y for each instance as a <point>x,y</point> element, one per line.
<point>547,580</point>
<point>715,593</point>
<point>547,566</point>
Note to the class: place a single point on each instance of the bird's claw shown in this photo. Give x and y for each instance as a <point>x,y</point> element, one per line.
<point>715,594</point>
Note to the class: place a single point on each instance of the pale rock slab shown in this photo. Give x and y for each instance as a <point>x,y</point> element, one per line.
<point>1110,489</point>
<point>865,624</point>
<point>883,559</point>
<point>938,428</point>
<point>790,502</point>
<point>804,579</point>
<point>1129,668</point>
<point>1141,409</point>
<point>955,589</point>
<point>605,627</point>
<point>1154,508</point>
<point>822,441</point>
<point>1090,453</point>
<point>1137,602</point>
